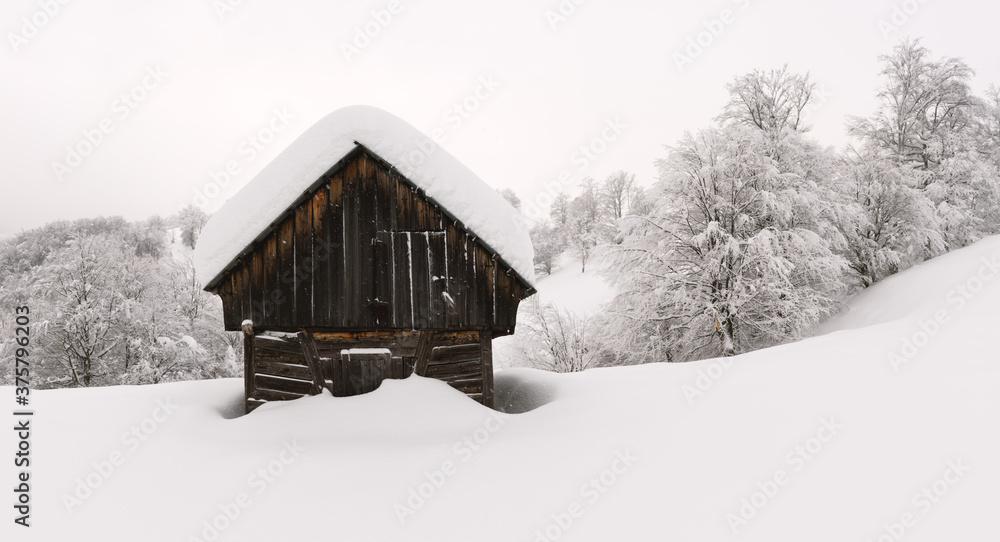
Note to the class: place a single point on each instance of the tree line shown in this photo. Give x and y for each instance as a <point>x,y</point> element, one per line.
<point>114,302</point>
<point>754,233</point>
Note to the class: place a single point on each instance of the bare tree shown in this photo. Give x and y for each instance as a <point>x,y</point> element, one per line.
<point>616,194</point>
<point>771,101</point>
<point>562,342</point>
<point>583,228</point>
<point>549,243</point>
<point>921,102</point>
<point>192,220</point>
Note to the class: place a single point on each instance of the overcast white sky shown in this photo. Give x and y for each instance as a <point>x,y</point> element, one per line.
<point>222,77</point>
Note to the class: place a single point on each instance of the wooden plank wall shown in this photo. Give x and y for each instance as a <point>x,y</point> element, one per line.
<point>280,371</point>
<point>369,251</point>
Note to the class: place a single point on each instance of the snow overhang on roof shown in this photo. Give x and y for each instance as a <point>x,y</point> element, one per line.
<point>280,185</point>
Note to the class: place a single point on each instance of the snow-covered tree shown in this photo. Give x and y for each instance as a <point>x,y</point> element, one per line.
<point>559,210</point>
<point>558,340</point>
<point>615,194</point>
<point>192,219</point>
<point>892,224</point>
<point>512,198</point>
<point>772,101</point>
<point>584,229</point>
<point>106,311</point>
<point>549,242</point>
<point>729,260</point>
<point>84,283</point>
<point>929,120</point>
<point>921,102</point>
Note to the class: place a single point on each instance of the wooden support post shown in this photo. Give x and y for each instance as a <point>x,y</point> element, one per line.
<point>249,368</point>
<point>425,344</point>
<point>311,353</point>
<point>486,344</point>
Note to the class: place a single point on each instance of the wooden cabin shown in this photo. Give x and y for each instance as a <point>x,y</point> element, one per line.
<point>363,277</point>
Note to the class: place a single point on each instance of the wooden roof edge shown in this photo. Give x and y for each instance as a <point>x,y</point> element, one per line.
<point>212,285</point>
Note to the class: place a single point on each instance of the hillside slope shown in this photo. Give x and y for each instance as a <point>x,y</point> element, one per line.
<point>827,439</point>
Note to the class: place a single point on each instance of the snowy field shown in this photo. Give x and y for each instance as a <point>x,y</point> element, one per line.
<point>885,428</point>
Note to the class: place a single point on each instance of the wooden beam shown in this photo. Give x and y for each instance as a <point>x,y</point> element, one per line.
<point>425,344</point>
<point>311,354</point>
<point>248,366</point>
<point>486,341</point>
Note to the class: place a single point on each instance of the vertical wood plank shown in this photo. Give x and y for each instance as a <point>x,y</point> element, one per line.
<point>436,261</point>
<point>402,281</point>
<point>352,262</point>
<point>452,318</point>
<point>336,266</point>
<point>321,257</point>
<point>339,374</point>
<point>502,297</point>
<point>257,283</point>
<point>387,180</point>
<point>490,291</point>
<point>367,218</point>
<point>225,291</point>
<point>486,345</point>
<point>421,209</point>
<point>236,286</point>
<point>249,367</point>
<point>421,284</point>
<point>476,282</point>
<point>382,303</point>
<point>285,296</point>
<point>270,276</point>
<point>303,255</point>
<point>404,205</point>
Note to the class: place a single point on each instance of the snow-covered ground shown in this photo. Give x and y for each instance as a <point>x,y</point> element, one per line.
<point>569,289</point>
<point>886,428</point>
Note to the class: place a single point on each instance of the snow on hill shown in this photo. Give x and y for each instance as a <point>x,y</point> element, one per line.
<point>572,290</point>
<point>827,439</point>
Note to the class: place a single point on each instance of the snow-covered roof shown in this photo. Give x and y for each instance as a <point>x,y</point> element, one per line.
<point>440,175</point>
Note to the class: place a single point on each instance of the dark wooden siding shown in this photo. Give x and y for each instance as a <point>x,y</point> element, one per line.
<point>365,251</point>
<point>279,370</point>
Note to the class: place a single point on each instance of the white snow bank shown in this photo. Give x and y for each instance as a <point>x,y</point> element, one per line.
<point>819,440</point>
<point>569,289</point>
<point>480,208</point>
<point>948,283</point>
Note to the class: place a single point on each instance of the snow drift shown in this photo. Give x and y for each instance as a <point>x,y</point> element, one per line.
<point>827,439</point>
